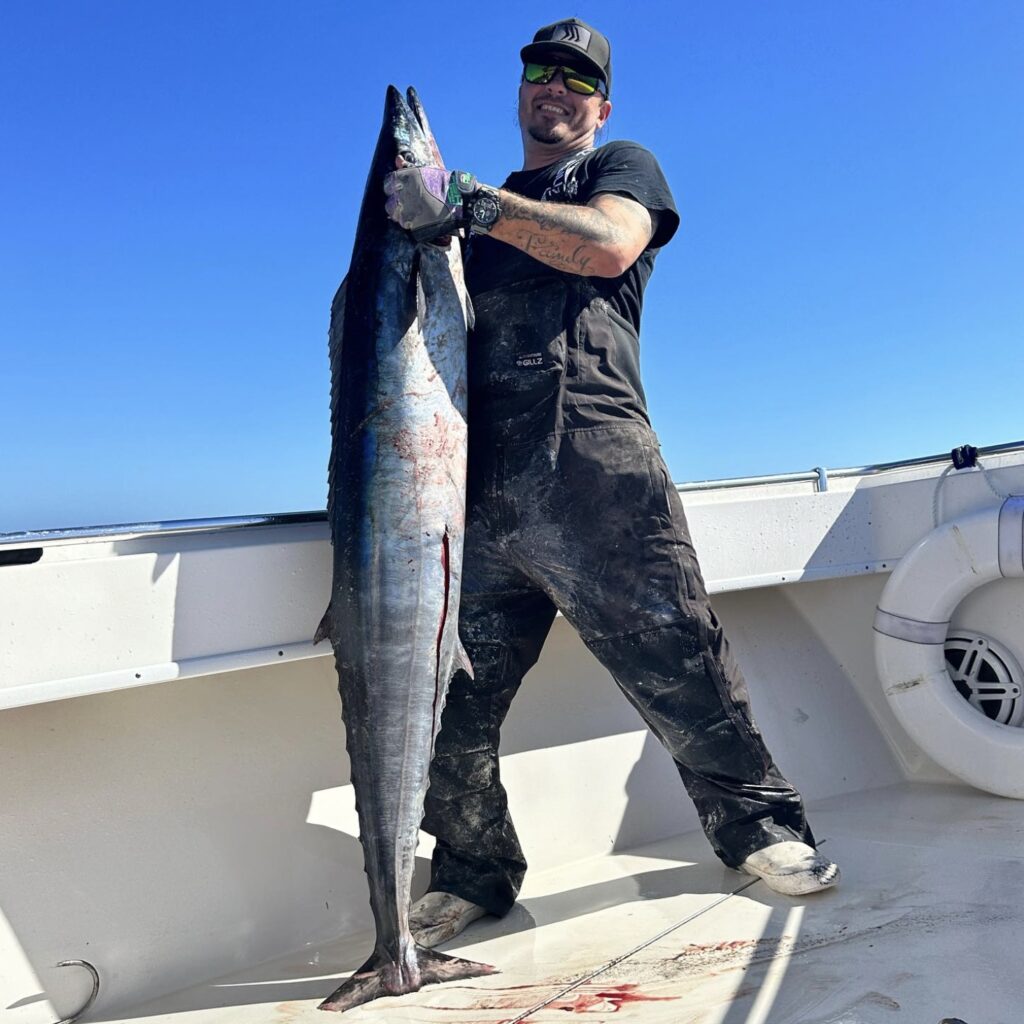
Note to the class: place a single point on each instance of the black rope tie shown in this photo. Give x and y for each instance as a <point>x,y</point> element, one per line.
<point>964,457</point>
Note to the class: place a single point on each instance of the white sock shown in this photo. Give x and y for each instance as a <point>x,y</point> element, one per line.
<point>439,916</point>
<point>792,868</point>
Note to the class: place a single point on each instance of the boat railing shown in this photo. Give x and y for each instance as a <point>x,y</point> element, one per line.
<point>819,476</point>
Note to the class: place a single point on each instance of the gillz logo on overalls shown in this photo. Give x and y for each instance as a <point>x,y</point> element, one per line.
<point>530,359</point>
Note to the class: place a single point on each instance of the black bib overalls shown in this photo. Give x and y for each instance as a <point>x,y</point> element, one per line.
<point>570,507</point>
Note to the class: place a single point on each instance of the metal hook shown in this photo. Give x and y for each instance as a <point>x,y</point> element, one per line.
<point>95,987</point>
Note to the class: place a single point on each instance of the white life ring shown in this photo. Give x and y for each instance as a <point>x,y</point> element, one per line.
<point>911,623</point>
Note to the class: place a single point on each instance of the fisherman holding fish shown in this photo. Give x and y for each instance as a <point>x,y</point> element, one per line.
<point>569,505</point>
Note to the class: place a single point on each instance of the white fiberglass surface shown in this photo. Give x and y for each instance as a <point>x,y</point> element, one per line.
<point>924,925</point>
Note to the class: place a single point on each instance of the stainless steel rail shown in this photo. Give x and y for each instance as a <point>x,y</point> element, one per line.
<point>132,531</point>
<point>822,476</point>
<point>817,475</point>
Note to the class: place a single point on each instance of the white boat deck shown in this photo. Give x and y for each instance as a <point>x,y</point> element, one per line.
<point>925,925</point>
<point>204,826</point>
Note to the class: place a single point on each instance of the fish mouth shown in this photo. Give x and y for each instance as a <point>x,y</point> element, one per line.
<point>411,138</point>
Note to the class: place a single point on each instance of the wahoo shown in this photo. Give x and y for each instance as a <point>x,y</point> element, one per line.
<point>396,505</point>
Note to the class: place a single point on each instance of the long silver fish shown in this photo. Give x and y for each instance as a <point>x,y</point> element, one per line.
<point>396,506</point>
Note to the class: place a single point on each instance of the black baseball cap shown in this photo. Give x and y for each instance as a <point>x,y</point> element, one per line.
<point>575,42</point>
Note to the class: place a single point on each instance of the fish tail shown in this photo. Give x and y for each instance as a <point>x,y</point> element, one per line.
<point>381,976</point>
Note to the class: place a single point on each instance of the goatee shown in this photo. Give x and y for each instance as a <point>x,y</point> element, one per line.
<point>545,135</point>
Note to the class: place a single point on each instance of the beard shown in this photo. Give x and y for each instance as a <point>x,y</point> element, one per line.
<point>551,132</point>
<point>549,136</point>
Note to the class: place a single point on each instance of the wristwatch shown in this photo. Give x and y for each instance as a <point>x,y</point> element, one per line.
<point>484,209</point>
<point>481,202</point>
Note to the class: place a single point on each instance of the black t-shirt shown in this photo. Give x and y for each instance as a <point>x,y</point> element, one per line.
<point>619,168</point>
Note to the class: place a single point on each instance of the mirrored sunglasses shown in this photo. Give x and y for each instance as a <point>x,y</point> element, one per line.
<point>575,81</point>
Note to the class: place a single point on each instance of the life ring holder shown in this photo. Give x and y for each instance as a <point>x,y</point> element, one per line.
<point>911,623</point>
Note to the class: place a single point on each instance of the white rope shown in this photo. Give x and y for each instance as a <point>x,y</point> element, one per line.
<point>951,469</point>
<point>938,491</point>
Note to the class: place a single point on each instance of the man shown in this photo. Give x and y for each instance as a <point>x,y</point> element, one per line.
<point>569,504</point>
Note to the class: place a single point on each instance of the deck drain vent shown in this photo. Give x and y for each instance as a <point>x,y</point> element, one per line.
<point>987,675</point>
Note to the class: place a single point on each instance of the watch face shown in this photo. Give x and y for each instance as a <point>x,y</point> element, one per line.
<point>485,210</point>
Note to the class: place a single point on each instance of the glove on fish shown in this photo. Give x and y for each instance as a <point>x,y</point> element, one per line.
<point>428,201</point>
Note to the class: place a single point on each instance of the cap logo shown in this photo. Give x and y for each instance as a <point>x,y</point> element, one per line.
<point>570,33</point>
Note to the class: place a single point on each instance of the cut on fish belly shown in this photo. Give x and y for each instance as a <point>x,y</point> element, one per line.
<point>396,506</point>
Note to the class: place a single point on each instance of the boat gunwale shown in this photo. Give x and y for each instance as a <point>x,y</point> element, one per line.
<point>223,524</point>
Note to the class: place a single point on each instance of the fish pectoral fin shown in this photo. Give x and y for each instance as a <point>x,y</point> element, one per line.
<point>462,659</point>
<point>421,295</point>
<point>470,314</point>
<point>383,977</point>
<point>323,631</point>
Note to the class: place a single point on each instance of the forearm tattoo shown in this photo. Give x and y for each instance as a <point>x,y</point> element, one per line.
<point>576,239</point>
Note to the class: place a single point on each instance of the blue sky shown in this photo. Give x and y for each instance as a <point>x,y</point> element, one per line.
<point>179,184</point>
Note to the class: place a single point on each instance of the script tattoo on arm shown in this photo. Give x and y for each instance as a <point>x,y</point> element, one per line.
<point>602,239</point>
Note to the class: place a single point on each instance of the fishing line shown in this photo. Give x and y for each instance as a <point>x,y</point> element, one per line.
<point>625,956</point>
<point>643,945</point>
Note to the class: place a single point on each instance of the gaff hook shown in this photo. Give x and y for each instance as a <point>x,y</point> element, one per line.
<point>95,987</point>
